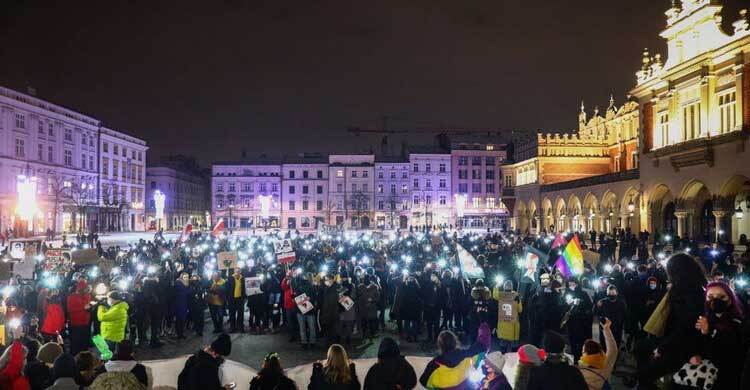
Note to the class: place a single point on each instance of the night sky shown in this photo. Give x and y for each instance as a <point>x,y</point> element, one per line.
<point>209,78</point>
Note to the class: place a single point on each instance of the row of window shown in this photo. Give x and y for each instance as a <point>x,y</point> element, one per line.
<point>476,160</point>
<point>404,175</point>
<point>476,174</point>
<point>134,155</point>
<point>441,166</point>
<point>48,155</point>
<point>305,189</point>
<point>118,193</point>
<point>123,169</point>
<point>443,183</point>
<point>691,124</point>
<point>476,188</point>
<point>248,187</point>
<point>305,174</point>
<point>404,188</point>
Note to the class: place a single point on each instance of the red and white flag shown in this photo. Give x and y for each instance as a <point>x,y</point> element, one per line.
<point>186,231</point>
<point>218,228</point>
<point>286,258</point>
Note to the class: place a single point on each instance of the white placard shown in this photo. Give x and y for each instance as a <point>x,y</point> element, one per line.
<point>252,285</point>
<point>303,303</point>
<point>282,246</point>
<point>346,302</point>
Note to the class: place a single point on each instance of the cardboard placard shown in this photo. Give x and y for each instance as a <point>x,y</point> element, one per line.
<point>252,285</point>
<point>20,250</point>
<point>505,312</point>
<point>286,258</point>
<point>303,303</point>
<point>84,256</point>
<point>346,302</point>
<point>54,255</point>
<point>226,260</point>
<point>282,246</point>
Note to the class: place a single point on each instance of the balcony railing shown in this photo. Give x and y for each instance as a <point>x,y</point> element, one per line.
<point>592,181</point>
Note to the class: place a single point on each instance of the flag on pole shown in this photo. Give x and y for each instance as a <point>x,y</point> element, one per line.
<point>186,232</point>
<point>218,228</point>
<point>571,261</point>
<point>559,241</point>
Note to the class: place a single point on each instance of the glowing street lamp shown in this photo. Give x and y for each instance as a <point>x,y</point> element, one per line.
<point>26,206</point>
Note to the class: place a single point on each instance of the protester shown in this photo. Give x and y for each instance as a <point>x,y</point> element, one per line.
<point>492,368</point>
<point>64,373</point>
<point>596,365</point>
<point>181,304</point>
<point>235,288</point>
<point>79,313</point>
<point>509,316</point>
<point>452,367</point>
<point>368,296</point>
<point>12,364</point>
<point>338,373</point>
<point>123,361</point>
<point>391,371</point>
<point>271,376</point>
<point>721,331</point>
<point>201,371</point>
<point>529,357</point>
<point>555,372</point>
<point>113,317</point>
<point>216,294</point>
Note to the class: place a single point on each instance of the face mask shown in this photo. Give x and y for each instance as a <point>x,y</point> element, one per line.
<point>434,278</point>
<point>508,288</point>
<point>485,370</point>
<point>612,297</point>
<point>572,286</point>
<point>719,306</point>
<point>652,286</point>
<point>110,302</point>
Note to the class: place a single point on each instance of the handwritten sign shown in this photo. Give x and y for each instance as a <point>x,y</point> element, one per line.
<point>226,260</point>
<point>252,285</point>
<point>303,303</point>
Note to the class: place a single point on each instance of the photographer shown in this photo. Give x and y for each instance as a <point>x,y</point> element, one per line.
<point>113,317</point>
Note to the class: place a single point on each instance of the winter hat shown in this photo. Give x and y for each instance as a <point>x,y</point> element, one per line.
<point>553,342</point>
<point>49,352</point>
<point>116,295</point>
<point>388,348</point>
<point>64,367</point>
<point>530,354</point>
<point>496,360</point>
<point>222,345</point>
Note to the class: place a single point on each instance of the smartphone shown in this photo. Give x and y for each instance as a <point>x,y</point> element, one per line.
<point>232,385</point>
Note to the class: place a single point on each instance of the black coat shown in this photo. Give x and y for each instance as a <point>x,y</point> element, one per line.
<point>409,302</point>
<point>388,373</point>
<point>319,381</point>
<point>201,372</point>
<point>265,382</point>
<point>556,375</point>
<point>724,347</point>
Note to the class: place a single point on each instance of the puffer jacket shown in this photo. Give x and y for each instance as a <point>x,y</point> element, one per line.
<point>54,320</point>
<point>113,321</point>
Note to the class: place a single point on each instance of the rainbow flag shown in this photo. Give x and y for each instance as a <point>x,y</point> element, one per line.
<point>571,261</point>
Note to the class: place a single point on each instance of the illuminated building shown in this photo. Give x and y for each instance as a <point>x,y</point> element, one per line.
<point>304,191</point>
<point>186,196</point>
<point>696,111</point>
<point>392,193</point>
<point>431,187</point>
<point>122,174</point>
<point>351,190</point>
<point>475,174</point>
<point>247,194</point>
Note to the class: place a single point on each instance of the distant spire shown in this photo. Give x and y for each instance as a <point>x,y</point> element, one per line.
<point>583,108</point>
<point>611,100</point>
<point>596,110</point>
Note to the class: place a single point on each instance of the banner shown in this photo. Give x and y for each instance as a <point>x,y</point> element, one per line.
<point>303,303</point>
<point>282,246</point>
<point>469,266</point>
<point>346,302</point>
<point>252,285</point>
<point>286,258</point>
<point>505,308</point>
<point>226,260</point>
<point>24,249</point>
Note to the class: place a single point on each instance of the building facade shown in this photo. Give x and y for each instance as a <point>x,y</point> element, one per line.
<point>477,185</point>
<point>431,175</point>
<point>185,198</point>
<point>304,192</point>
<point>247,195</point>
<point>392,193</point>
<point>351,190</point>
<point>695,108</point>
<point>122,175</point>
<point>48,169</point>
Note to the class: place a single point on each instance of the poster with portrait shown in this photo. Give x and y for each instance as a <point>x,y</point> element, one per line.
<point>346,302</point>
<point>282,246</point>
<point>226,260</point>
<point>252,285</point>
<point>303,303</point>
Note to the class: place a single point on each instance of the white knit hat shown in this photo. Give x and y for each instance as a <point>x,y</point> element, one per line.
<point>495,360</point>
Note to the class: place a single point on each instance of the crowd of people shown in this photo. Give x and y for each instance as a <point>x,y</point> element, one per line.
<point>646,308</point>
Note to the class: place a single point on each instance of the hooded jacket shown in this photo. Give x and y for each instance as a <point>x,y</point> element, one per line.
<point>201,372</point>
<point>451,370</point>
<point>77,313</point>
<point>391,369</point>
<point>54,319</point>
<point>113,321</point>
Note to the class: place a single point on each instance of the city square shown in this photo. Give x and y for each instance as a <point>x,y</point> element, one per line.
<point>375,196</point>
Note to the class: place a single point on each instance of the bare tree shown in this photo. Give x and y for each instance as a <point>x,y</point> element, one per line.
<point>58,190</point>
<point>82,196</point>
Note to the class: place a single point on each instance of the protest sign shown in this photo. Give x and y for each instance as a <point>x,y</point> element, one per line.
<point>226,260</point>
<point>346,302</point>
<point>252,285</point>
<point>303,303</point>
<point>286,258</point>
<point>282,246</point>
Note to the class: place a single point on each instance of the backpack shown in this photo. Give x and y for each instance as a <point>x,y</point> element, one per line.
<point>605,385</point>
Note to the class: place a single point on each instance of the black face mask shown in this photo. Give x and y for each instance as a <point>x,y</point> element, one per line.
<point>484,370</point>
<point>612,297</point>
<point>719,306</point>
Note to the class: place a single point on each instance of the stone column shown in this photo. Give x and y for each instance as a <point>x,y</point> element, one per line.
<point>681,217</point>
<point>720,216</point>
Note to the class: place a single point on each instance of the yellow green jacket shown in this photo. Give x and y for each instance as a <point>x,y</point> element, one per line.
<point>508,330</point>
<point>113,321</point>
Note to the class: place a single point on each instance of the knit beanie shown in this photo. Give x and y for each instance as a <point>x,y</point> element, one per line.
<point>49,352</point>
<point>222,345</point>
<point>495,360</point>
<point>553,342</point>
<point>529,354</point>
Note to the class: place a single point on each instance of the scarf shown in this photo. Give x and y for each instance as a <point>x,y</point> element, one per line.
<point>594,361</point>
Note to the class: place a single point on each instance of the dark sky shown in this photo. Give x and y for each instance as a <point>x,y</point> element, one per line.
<point>211,77</point>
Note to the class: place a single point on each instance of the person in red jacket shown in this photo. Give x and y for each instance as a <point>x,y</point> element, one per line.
<point>289,306</point>
<point>79,312</point>
<point>12,363</point>
<point>54,318</point>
